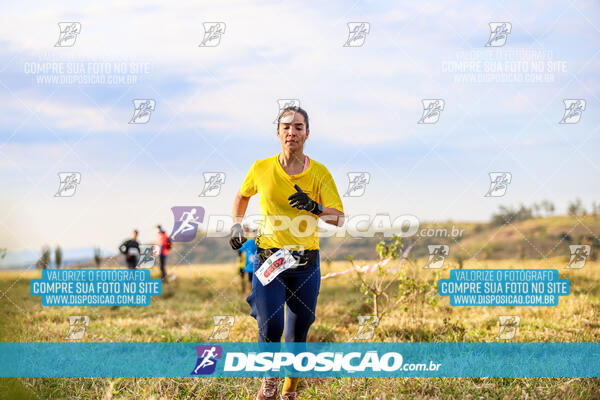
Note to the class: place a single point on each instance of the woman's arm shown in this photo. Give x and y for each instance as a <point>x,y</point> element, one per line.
<point>236,238</point>
<point>240,204</point>
<point>332,216</point>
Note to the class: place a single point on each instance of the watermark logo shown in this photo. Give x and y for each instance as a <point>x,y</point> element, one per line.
<point>207,359</point>
<point>499,32</point>
<point>148,255</point>
<point>366,327</point>
<point>187,220</point>
<point>432,108</point>
<point>68,34</point>
<point>437,256</point>
<point>499,182</point>
<point>223,325</point>
<point>77,327</point>
<point>357,183</point>
<point>212,34</point>
<point>579,255</point>
<point>356,226</point>
<point>283,104</point>
<point>86,73</point>
<point>212,184</point>
<point>362,359</point>
<point>68,183</point>
<point>508,326</point>
<point>573,111</point>
<point>297,251</point>
<point>142,109</point>
<point>357,33</point>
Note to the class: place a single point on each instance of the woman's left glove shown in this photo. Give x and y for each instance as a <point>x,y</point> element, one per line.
<point>301,201</point>
<point>237,238</point>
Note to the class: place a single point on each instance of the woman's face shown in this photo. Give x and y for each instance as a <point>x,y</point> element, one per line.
<point>292,131</point>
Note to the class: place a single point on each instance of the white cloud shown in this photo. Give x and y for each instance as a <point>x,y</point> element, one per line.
<point>269,51</point>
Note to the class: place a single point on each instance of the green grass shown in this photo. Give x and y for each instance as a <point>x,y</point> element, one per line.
<point>184,313</point>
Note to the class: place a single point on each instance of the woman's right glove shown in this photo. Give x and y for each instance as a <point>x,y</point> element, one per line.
<point>237,239</point>
<point>301,201</point>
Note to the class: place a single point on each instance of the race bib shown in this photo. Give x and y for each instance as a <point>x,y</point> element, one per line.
<point>275,265</point>
<point>132,251</point>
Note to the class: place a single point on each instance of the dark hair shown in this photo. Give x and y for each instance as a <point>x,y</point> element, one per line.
<point>294,109</point>
<point>135,231</point>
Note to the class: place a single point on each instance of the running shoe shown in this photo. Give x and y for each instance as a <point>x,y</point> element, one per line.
<point>268,389</point>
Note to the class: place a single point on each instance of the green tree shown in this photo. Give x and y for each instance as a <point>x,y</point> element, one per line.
<point>508,215</point>
<point>44,261</point>
<point>375,286</point>
<point>548,207</point>
<point>576,208</point>
<point>537,210</point>
<point>378,286</point>
<point>460,256</point>
<point>595,209</point>
<point>595,247</point>
<point>58,256</point>
<point>97,256</point>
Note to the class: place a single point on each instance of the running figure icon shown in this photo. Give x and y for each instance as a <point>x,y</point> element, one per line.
<point>187,221</point>
<point>207,359</point>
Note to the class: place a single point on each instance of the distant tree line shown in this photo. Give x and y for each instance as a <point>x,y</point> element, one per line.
<point>577,208</point>
<point>45,260</point>
<point>509,215</point>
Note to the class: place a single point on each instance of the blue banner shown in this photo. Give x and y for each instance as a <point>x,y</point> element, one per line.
<point>503,287</point>
<point>95,287</point>
<point>299,359</point>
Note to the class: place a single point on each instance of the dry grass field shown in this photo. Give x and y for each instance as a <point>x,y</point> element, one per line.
<point>185,309</point>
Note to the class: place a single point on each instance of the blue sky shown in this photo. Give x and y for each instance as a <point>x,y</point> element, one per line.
<point>215,107</point>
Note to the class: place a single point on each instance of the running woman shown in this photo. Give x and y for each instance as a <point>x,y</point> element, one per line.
<point>131,249</point>
<point>293,188</point>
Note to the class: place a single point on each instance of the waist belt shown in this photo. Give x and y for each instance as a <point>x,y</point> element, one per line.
<point>304,259</point>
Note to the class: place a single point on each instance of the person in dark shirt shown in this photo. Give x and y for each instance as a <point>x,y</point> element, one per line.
<point>131,249</point>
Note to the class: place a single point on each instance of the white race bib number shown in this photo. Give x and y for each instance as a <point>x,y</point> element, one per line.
<point>280,261</point>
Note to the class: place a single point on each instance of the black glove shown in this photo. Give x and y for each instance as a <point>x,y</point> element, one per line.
<point>237,239</point>
<point>300,200</point>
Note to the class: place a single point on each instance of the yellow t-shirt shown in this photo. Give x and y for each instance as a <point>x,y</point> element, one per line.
<point>281,224</point>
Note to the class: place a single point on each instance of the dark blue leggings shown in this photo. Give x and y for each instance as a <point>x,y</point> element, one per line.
<point>293,290</point>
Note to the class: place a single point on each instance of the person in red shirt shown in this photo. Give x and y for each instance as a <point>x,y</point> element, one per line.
<point>164,243</point>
